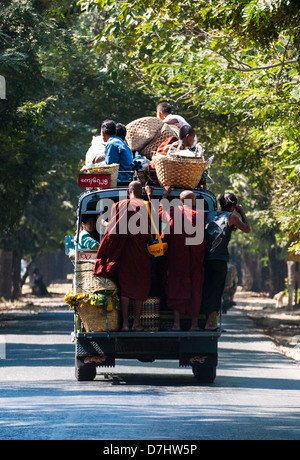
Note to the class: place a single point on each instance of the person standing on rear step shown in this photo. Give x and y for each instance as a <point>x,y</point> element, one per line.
<point>184,272</point>
<point>123,256</point>
<point>219,228</point>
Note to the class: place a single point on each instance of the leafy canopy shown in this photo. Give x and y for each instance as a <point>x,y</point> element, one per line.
<point>232,67</point>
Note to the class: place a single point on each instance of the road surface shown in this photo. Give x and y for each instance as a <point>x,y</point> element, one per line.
<point>256,394</point>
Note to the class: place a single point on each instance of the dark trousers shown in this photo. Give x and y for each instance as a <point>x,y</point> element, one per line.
<point>214,283</point>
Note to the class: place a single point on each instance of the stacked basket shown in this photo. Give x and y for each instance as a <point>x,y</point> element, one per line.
<point>111,170</point>
<point>146,134</point>
<point>87,282</point>
<point>179,171</point>
<point>96,318</point>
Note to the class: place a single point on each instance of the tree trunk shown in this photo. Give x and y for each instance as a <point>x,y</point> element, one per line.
<point>277,272</point>
<point>16,275</point>
<point>257,278</point>
<point>291,266</point>
<point>251,272</point>
<point>6,263</point>
<point>26,274</point>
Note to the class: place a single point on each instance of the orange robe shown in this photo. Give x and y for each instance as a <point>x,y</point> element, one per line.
<point>122,256</point>
<point>184,274</point>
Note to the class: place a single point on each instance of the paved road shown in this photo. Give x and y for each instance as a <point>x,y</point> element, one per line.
<point>256,394</point>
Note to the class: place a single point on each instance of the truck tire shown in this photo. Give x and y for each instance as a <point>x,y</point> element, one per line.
<point>84,372</point>
<point>204,374</point>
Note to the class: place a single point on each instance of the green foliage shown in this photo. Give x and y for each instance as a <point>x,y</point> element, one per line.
<point>27,115</point>
<point>58,93</point>
<point>232,68</point>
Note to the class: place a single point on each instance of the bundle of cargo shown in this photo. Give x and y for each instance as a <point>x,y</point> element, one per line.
<point>146,134</point>
<point>98,312</point>
<point>180,168</point>
<point>95,299</point>
<point>86,282</point>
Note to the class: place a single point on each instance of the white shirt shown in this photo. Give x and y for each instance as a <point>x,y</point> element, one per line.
<point>180,120</point>
<point>96,152</point>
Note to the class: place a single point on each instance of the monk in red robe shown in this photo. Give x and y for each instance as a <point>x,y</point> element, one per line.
<point>186,250</point>
<point>123,255</point>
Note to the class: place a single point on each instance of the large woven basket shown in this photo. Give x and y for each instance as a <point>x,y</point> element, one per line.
<point>150,315</point>
<point>112,170</point>
<point>140,132</point>
<point>179,172</point>
<point>87,282</point>
<point>163,133</point>
<point>97,319</point>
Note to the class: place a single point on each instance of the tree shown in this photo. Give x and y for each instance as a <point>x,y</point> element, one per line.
<point>58,92</point>
<point>24,154</point>
<point>232,68</point>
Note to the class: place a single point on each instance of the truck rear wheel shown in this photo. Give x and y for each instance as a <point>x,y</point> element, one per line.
<point>84,372</point>
<point>204,374</point>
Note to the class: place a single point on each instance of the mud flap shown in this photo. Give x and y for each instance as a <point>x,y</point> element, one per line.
<point>199,359</point>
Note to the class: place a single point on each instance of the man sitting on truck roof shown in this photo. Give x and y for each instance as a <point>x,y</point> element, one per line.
<point>116,150</point>
<point>186,140</point>
<point>163,112</point>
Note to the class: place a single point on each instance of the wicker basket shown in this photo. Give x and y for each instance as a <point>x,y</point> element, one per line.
<point>97,319</point>
<point>179,172</point>
<point>150,315</point>
<point>87,282</point>
<point>140,132</point>
<point>163,133</point>
<point>112,170</point>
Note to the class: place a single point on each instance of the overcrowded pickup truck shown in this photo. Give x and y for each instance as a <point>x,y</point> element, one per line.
<point>99,342</point>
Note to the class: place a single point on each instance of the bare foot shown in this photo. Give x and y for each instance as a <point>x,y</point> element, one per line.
<point>211,323</point>
<point>195,328</point>
<point>137,328</point>
<point>194,325</point>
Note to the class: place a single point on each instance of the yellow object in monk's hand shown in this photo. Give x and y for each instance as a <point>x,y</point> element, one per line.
<point>155,247</point>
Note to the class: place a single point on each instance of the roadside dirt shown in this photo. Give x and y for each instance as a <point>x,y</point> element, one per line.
<point>30,302</point>
<point>280,324</point>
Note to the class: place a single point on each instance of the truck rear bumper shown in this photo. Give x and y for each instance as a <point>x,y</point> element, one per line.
<point>187,347</point>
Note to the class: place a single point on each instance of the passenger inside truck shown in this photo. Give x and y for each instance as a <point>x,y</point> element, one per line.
<point>88,236</point>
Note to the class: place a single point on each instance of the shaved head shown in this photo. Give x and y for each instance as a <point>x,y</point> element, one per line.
<point>188,195</point>
<point>135,188</point>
